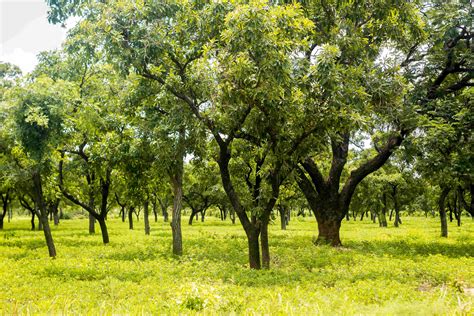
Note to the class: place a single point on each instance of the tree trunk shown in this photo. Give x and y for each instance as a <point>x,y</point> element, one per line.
<point>1,222</point>
<point>282,217</point>
<point>48,236</point>
<point>42,213</point>
<point>130,217</point>
<point>264,244</point>
<point>103,229</point>
<point>33,221</point>
<point>122,212</point>
<point>383,217</point>
<point>91,224</point>
<point>145,218</point>
<point>191,218</point>
<point>254,250</point>
<point>442,211</point>
<point>329,232</point>
<point>155,211</point>
<point>177,183</point>
<point>56,218</point>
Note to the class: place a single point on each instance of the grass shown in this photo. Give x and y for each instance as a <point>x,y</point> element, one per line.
<point>395,271</point>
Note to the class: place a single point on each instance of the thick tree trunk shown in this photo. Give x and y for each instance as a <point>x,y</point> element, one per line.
<point>146,218</point>
<point>91,224</point>
<point>329,232</point>
<point>203,215</point>
<point>130,217</point>
<point>254,250</point>
<point>1,222</point>
<point>442,211</point>
<point>103,230</point>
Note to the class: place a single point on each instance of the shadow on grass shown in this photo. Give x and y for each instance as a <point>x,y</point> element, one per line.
<point>405,248</point>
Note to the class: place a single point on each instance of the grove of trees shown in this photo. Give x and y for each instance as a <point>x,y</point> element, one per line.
<point>254,110</point>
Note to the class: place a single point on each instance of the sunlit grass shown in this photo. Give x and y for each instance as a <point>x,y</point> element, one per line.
<point>409,270</point>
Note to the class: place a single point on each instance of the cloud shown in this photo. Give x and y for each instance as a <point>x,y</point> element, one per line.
<point>23,59</point>
<point>25,32</point>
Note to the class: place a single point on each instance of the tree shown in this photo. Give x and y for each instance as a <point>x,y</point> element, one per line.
<point>38,119</point>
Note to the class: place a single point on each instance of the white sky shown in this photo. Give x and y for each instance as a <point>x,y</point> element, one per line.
<point>25,31</point>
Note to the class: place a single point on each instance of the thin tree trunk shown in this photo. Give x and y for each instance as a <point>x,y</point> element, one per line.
<point>91,224</point>
<point>177,183</point>
<point>122,211</point>
<point>264,244</point>
<point>145,218</point>
<point>282,217</point>
<point>191,218</point>
<point>442,211</point>
<point>130,217</point>
<point>33,221</point>
<point>103,230</point>
<point>43,214</point>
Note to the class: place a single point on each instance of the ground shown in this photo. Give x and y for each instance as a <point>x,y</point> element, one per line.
<point>402,271</point>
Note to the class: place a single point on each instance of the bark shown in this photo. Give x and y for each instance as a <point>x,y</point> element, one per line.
<point>103,230</point>
<point>33,221</point>
<point>254,251</point>
<point>442,211</point>
<point>329,232</point>
<point>177,184</point>
<point>5,202</point>
<point>264,243</point>
<point>42,213</point>
<point>146,218</point>
<point>91,224</point>
<point>191,218</point>
<point>383,217</point>
<point>155,211</point>
<point>282,217</point>
<point>130,217</point>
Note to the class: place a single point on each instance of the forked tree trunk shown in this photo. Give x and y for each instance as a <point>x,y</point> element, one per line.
<point>442,211</point>
<point>146,218</point>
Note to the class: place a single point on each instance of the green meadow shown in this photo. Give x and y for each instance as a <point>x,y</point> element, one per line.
<point>408,270</point>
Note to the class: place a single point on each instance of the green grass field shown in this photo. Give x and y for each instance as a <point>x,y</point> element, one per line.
<point>404,271</point>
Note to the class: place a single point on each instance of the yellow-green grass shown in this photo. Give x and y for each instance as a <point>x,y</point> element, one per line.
<point>401,271</point>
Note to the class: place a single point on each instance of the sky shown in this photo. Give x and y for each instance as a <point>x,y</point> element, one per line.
<point>25,31</point>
